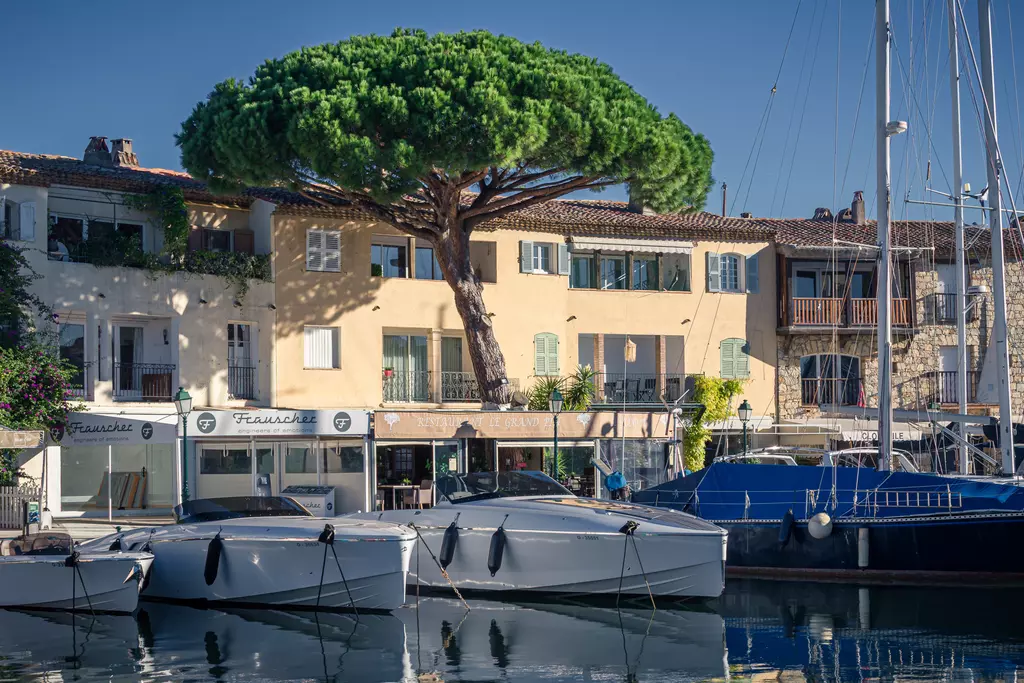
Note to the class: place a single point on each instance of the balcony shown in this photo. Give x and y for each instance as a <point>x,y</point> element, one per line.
<point>942,307</point>
<point>641,388</point>
<point>242,382</point>
<point>149,382</point>
<point>406,387</point>
<point>823,391</point>
<point>941,386</point>
<point>461,387</point>
<point>843,313</point>
<point>82,381</point>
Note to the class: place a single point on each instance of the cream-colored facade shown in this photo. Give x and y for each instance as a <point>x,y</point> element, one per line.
<point>677,332</point>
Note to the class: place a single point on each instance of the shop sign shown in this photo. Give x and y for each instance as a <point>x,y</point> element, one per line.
<point>202,423</point>
<point>96,429</point>
<point>519,425</point>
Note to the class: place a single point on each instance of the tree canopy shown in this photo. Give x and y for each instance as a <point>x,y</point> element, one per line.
<point>394,123</point>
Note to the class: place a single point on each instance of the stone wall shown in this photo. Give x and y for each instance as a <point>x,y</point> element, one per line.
<point>916,354</point>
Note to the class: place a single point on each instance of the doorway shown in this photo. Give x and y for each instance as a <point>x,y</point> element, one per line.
<point>127,361</point>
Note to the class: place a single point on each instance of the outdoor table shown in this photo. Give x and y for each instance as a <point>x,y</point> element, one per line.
<point>394,492</point>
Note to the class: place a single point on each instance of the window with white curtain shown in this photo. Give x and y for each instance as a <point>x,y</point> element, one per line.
<point>322,347</point>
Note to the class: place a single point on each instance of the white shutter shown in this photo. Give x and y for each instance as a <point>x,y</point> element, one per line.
<point>321,347</point>
<point>714,268</point>
<point>332,251</point>
<point>752,275</point>
<point>314,250</point>
<point>525,257</point>
<point>27,221</point>
<point>563,259</point>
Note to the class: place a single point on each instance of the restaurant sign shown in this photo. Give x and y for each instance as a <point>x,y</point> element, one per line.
<point>519,425</point>
<point>203,423</point>
<point>96,429</point>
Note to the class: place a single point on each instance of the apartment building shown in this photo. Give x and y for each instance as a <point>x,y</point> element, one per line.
<point>135,328</point>
<point>827,318</point>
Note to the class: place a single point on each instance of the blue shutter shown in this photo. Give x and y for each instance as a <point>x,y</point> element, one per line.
<point>525,257</point>
<point>714,272</point>
<point>753,277</point>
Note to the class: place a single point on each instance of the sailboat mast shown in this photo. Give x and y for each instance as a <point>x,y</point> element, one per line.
<point>884,291</point>
<point>958,231</point>
<point>999,330</point>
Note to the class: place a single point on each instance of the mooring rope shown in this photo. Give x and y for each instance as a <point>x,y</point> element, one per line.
<point>628,530</point>
<point>327,538</point>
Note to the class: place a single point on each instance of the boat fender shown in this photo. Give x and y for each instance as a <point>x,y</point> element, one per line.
<point>116,545</point>
<point>327,535</point>
<point>786,528</point>
<point>496,551</point>
<point>72,559</point>
<point>820,526</point>
<point>629,527</point>
<point>448,543</point>
<point>213,553</point>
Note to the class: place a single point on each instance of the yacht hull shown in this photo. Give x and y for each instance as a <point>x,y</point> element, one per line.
<point>279,563</point>
<point>104,582</point>
<point>568,546</point>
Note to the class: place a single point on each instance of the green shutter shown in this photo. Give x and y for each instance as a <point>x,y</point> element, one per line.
<point>735,359</point>
<point>545,354</point>
<point>728,370</point>
<point>742,359</point>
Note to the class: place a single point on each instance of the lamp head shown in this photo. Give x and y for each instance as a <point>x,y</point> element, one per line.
<point>745,411</point>
<point>556,401</point>
<point>183,402</point>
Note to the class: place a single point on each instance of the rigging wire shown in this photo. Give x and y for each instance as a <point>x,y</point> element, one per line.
<point>1013,62</point>
<point>765,117</point>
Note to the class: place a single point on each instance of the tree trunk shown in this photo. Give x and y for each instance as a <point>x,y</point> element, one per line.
<point>452,252</point>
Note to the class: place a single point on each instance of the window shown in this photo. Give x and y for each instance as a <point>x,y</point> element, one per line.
<point>100,229</point>
<point>65,237</point>
<point>613,272</point>
<point>322,347</point>
<point>676,277</point>
<point>581,274</point>
<point>406,378</point>
<point>9,228</point>
<point>830,379</point>
<point>735,359</point>
<point>216,240</point>
<point>72,349</point>
<point>323,250</point>
<point>730,270</point>
<point>239,344</point>
<point>299,459</point>
<point>341,457</point>
<point>225,460</point>
<point>389,257</point>
<point>542,258</point>
<point>545,352</point>
<point>645,272</point>
<point>427,267</point>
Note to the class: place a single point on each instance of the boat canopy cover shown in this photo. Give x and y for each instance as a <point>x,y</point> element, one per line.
<point>237,507</point>
<point>731,491</point>
<point>44,543</point>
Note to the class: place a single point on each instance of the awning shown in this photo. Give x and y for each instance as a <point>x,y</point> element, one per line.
<point>12,438</point>
<point>630,244</point>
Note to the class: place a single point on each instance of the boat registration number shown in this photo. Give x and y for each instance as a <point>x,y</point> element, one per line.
<point>586,537</point>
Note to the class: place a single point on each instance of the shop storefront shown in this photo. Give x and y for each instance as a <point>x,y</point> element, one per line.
<point>108,465</point>
<point>640,445</point>
<point>246,452</point>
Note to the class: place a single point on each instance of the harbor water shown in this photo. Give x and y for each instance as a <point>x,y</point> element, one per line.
<point>758,630</point>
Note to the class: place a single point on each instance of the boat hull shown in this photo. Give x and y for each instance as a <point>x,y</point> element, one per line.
<point>965,545</point>
<point>104,582</point>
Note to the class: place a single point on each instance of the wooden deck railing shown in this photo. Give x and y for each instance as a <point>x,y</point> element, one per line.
<point>861,312</point>
<point>817,311</point>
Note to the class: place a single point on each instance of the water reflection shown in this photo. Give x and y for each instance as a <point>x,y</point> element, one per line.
<point>756,631</point>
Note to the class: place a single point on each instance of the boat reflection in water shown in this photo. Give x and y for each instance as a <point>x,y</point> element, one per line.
<point>756,631</point>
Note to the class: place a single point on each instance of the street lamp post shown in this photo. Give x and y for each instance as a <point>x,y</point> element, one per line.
<point>555,404</point>
<point>744,412</point>
<point>183,404</point>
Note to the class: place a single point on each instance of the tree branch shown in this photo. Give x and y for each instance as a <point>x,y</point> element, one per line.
<point>494,211</point>
<point>548,191</point>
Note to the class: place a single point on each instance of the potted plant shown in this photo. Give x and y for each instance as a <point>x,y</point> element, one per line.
<point>388,372</point>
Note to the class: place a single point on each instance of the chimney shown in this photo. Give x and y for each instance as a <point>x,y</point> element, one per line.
<point>96,152</point>
<point>857,208</point>
<point>724,189</point>
<point>636,206</point>
<point>121,150</point>
<point>746,214</point>
<point>822,213</point>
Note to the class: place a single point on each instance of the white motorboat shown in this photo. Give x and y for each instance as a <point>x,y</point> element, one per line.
<point>46,571</point>
<point>523,531</point>
<point>272,551</point>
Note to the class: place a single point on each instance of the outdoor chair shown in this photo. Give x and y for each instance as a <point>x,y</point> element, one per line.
<point>422,494</point>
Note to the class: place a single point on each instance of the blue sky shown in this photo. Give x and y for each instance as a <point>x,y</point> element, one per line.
<point>130,69</point>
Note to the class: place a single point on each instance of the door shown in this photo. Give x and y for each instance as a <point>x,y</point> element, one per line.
<point>266,475</point>
<point>297,463</point>
<point>446,461</point>
<point>946,385</point>
<point>128,362</point>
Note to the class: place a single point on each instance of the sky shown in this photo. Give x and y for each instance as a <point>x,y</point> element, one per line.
<point>131,69</point>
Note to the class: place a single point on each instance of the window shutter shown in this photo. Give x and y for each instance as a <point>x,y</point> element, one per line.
<point>314,250</point>
<point>753,277</point>
<point>728,370</point>
<point>332,251</point>
<point>245,241</point>
<point>27,221</point>
<point>563,259</point>
<point>742,358</point>
<point>525,257</point>
<point>714,266</point>
<point>321,347</point>
<point>540,358</point>
<point>552,354</point>
<point>195,238</point>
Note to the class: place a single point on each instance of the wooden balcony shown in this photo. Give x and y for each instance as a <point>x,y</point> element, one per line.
<point>826,312</point>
